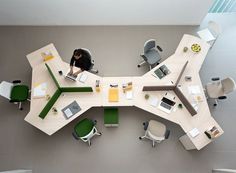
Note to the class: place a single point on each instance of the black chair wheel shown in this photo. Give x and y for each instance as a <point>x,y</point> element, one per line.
<point>215,105</point>
<point>139,66</point>
<point>21,109</point>
<point>140,138</point>
<point>100,133</point>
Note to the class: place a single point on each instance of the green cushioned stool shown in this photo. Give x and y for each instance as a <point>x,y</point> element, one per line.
<point>111,118</point>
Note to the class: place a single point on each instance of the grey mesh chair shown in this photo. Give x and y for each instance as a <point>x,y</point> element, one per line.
<point>151,54</point>
<point>155,131</point>
<point>92,70</point>
<point>218,89</point>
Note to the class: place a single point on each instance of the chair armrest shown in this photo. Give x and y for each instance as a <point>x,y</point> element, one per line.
<point>159,48</point>
<point>145,125</point>
<point>144,57</point>
<point>215,78</point>
<point>167,134</point>
<point>16,81</point>
<point>222,97</point>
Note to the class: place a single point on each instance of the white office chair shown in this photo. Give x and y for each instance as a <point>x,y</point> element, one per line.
<point>218,89</point>
<point>211,33</point>
<point>92,70</point>
<point>155,131</point>
<point>151,55</point>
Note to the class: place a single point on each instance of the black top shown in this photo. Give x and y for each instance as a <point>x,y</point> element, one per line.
<point>84,62</point>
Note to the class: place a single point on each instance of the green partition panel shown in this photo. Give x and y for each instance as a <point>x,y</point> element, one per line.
<point>53,77</point>
<point>50,103</point>
<point>76,89</point>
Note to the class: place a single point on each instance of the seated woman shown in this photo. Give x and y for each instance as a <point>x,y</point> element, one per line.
<point>81,59</point>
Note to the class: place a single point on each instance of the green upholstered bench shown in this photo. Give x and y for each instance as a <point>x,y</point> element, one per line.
<point>111,117</point>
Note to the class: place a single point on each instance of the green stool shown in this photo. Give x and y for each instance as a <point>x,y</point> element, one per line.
<point>111,118</point>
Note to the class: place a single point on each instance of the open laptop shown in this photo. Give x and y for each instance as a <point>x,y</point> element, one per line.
<point>166,105</point>
<point>70,77</point>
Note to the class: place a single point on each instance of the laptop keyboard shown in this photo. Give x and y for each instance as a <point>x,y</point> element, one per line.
<point>165,105</point>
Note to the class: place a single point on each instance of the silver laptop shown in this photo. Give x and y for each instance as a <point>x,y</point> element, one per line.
<point>70,77</point>
<point>166,105</point>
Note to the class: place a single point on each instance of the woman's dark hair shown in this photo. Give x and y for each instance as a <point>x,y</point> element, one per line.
<point>77,52</point>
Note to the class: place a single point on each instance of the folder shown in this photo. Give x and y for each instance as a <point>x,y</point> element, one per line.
<point>113,95</point>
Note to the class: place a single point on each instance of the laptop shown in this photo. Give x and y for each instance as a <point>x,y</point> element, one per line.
<point>166,105</point>
<point>70,77</point>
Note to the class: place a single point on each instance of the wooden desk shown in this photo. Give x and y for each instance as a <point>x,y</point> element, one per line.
<point>52,123</point>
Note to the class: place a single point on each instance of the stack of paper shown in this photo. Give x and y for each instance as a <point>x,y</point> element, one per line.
<point>40,90</point>
<point>113,95</point>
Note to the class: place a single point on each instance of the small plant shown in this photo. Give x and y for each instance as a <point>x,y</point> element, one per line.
<point>146,96</point>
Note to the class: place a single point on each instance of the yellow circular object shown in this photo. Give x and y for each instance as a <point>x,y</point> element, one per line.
<point>196,48</point>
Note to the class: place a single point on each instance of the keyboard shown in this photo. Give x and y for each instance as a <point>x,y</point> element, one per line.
<point>163,104</point>
<point>70,77</point>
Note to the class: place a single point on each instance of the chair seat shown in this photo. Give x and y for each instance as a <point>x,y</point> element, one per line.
<point>157,129</point>
<point>111,116</point>
<point>152,56</point>
<point>84,127</point>
<point>19,93</point>
<point>214,90</point>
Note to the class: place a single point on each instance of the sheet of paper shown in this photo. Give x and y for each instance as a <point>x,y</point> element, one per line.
<point>40,90</point>
<point>68,113</point>
<point>83,77</point>
<point>194,132</point>
<point>153,101</point>
<point>129,95</point>
<point>194,89</point>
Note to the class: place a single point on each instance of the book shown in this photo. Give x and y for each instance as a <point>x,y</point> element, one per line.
<point>194,132</point>
<point>162,71</point>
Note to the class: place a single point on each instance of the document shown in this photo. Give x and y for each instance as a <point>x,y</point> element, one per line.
<point>194,132</point>
<point>129,95</point>
<point>40,90</point>
<point>68,113</point>
<point>83,77</point>
<point>153,101</point>
<point>194,89</point>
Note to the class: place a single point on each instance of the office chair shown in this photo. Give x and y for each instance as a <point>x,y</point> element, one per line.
<point>218,89</point>
<point>211,33</point>
<point>92,70</point>
<point>14,92</point>
<point>155,131</point>
<point>85,130</point>
<point>151,55</point>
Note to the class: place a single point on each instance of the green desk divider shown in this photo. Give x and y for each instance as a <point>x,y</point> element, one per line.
<point>53,77</point>
<point>50,103</point>
<point>76,89</point>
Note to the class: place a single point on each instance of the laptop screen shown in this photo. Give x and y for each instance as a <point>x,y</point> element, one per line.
<point>168,101</point>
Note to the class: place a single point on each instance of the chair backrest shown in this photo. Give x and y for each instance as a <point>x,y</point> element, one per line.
<point>228,85</point>
<point>5,89</point>
<point>214,27</point>
<point>149,45</point>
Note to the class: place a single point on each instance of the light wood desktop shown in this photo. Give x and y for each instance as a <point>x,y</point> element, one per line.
<point>53,122</point>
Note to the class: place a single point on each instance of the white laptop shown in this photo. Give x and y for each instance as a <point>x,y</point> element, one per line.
<point>70,77</point>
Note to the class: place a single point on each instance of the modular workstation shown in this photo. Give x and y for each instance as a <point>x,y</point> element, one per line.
<point>181,85</point>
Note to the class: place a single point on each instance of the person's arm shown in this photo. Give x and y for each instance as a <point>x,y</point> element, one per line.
<point>77,72</point>
<point>71,65</point>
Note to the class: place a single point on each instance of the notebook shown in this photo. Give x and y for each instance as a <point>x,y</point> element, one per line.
<point>113,95</point>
